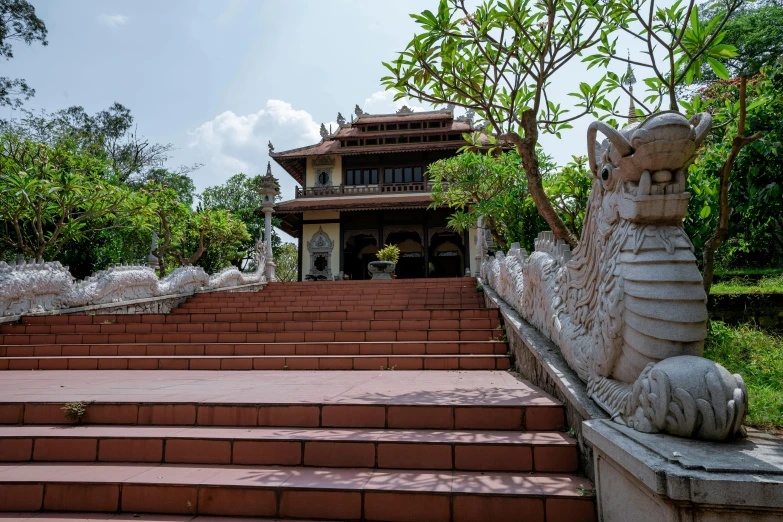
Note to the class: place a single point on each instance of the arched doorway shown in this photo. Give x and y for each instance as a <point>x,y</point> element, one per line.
<point>359,250</point>
<point>411,262</point>
<point>447,255</point>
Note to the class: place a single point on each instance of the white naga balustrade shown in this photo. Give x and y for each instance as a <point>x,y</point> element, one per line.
<point>35,287</point>
<point>627,308</point>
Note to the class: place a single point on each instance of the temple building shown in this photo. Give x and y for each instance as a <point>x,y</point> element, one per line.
<point>364,186</point>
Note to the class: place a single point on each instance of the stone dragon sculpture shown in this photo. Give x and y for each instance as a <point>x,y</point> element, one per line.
<point>627,308</point>
<point>36,287</point>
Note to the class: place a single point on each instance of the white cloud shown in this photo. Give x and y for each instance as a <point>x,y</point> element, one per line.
<point>113,20</point>
<point>382,102</point>
<point>232,143</point>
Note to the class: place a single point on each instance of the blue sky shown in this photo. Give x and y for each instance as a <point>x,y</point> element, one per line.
<point>218,79</point>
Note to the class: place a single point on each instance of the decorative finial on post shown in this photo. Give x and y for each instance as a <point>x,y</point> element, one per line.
<point>629,80</point>
<point>269,193</point>
<point>152,261</point>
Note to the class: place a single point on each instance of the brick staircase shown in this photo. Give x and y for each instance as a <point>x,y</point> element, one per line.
<point>397,442</point>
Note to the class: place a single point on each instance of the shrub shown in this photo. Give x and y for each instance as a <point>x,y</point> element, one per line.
<point>389,253</point>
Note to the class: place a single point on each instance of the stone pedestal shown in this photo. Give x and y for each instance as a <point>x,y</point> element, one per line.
<point>661,478</point>
<point>381,269</point>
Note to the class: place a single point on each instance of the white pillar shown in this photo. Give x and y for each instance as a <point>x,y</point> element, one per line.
<point>269,268</point>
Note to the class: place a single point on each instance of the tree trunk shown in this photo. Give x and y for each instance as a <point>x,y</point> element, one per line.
<point>527,152</point>
<point>739,141</point>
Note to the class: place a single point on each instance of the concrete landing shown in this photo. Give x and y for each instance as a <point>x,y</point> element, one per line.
<point>434,388</point>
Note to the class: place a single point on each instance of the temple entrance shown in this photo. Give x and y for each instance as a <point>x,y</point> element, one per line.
<point>411,262</point>
<point>447,255</point>
<point>360,249</point>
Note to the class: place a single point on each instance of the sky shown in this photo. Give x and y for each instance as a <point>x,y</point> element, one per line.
<point>219,79</point>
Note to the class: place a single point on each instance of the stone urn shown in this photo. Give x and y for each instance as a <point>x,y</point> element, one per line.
<point>381,269</point>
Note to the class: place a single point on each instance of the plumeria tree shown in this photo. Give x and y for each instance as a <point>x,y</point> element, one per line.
<point>498,60</point>
<point>52,195</point>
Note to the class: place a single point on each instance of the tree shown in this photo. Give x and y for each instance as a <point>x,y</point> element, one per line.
<point>568,188</point>
<point>746,211</point>
<point>493,186</point>
<point>498,61</point>
<point>287,263</point>
<point>484,185</point>
<point>212,231</point>
<point>679,45</point>
<point>756,31</point>
<point>18,23</point>
<point>179,181</point>
<point>241,195</point>
<point>110,133</point>
<point>50,196</point>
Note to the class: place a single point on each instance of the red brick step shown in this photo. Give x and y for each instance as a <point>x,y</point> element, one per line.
<point>263,362</point>
<point>277,491</point>
<point>364,448</point>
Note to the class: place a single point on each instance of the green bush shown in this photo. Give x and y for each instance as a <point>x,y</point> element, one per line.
<point>757,355</point>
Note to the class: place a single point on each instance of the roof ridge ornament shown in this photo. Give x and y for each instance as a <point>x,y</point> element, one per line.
<point>271,147</point>
<point>324,132</point>
<point>340,119</point>
<point>405,110</point>
<point>358,110</point>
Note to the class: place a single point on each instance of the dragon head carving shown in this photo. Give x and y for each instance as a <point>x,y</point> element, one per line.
<point>642,169</point>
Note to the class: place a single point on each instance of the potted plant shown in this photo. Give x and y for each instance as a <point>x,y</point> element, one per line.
<point>387,262</point>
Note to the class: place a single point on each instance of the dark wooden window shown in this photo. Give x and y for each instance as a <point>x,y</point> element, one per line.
<point>372,141</point>
<point>353,143</point>
<point>415,125</point>
<point>372,128</point>
<point>361,177</point>
<point>391,126</point>
<point>404,126</point>
<point>402,175</point>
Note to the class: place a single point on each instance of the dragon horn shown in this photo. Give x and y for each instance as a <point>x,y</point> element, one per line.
<point>703,123</point>
<point>617,139</point>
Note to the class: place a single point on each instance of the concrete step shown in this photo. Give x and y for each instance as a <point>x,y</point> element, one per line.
<point>324,336</point>
<point>263,362</point>
<point>475,400</point>
<point>336,348</point>
<point>233,323</point>
<point>336,448</point>
<point>278,491</point>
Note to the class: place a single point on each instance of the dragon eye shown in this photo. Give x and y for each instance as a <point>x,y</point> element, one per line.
<point>605,173</point>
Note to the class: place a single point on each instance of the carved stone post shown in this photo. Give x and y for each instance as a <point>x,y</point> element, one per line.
<point>152,260</point>
<point>269,193</point>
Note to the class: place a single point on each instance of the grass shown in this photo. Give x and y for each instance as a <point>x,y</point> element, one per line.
<point>749,271</point>
<point>772,284</point>
<point>757,355</point>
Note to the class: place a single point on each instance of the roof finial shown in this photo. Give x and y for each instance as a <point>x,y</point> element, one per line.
<point>268,168</point>
<point>324,132</point>
<point>271,147</point>
<point>340,119</point>
<point>629,80</point>
<point>358,110</point>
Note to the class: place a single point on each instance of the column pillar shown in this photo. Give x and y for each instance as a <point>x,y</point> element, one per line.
<point>269,191</point>
<point>269,267</point>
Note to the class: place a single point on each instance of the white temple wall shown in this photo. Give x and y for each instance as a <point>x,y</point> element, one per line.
<point>336,170</point>
<point>308,231</point>
<point>472,251</point>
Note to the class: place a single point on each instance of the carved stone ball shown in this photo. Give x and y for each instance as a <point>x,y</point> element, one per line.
<point>690,396</point>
